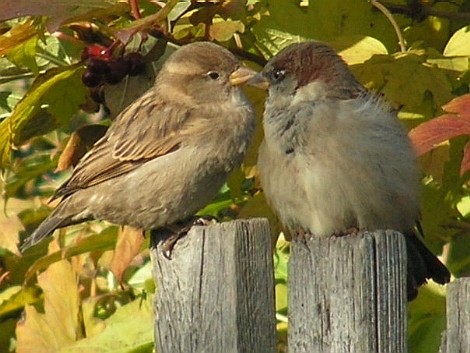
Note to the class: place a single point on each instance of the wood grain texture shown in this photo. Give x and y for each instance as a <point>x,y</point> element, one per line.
<point>348,294</point>
<point>216,294</point>
<point>457,336</point>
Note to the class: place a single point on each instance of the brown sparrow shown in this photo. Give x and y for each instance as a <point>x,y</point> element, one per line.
<point>168,153</point>
<point>335,156</point>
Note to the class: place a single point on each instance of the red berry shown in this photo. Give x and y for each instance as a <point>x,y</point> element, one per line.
<point>94,51</point>
<point>117,71</point>
<point>97,66</point>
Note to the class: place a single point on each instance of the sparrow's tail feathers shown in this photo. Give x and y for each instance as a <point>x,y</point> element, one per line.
<point>422,265</point>
<point>45,229</point>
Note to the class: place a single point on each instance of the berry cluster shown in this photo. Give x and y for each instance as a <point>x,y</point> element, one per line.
<point>103,66</point>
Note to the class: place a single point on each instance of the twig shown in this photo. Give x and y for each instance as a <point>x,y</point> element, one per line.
<point>134,4</point>
<point>249,56</point>
<point>422,11</point>
<point>388,14</point>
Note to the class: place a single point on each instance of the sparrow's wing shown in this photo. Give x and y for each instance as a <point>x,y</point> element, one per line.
<point>142,132</point>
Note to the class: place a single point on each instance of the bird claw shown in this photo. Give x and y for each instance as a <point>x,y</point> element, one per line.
<point>205,220</point>
<point>349,231</point>
<point>170,242</point>
<point>299,234</point>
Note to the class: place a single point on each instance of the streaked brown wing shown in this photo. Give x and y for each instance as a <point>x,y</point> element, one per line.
<point>142,132</point>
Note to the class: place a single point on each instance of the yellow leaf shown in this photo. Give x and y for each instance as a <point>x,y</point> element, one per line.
<point>459,43</point>
<point>223,31</point>
<point>16,37</point>
<point>59,326</point>
<point>356,49</point>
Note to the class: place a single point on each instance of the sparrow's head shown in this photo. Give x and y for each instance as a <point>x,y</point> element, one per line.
<point>308,71</point>
<point>203,72</point>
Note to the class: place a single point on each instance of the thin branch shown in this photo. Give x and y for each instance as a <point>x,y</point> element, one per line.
<point>249,56</point>
<point>422,11</point>
<point>134,4</point>
<point>388,14</point>
<point>41,53</point>
<point>430,11</point>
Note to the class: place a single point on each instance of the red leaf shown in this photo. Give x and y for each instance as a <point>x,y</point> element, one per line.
<point>459,105</point>
<point>465,166</point>
<point>426,136</point>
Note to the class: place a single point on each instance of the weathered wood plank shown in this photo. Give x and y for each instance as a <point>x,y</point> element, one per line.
<point>456,339</point>
<point>216,294</point>
<point>348,294</point>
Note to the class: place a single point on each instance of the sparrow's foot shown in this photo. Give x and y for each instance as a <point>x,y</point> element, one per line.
<point>301,236</point>
<point>349,231</point>
<point>205,220</point>
<point>179,230</point>
<point>170,242</point>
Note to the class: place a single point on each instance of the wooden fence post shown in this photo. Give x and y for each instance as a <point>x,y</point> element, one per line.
<point>216,294</point>
<point>456,339</point>
<point>348,294</point>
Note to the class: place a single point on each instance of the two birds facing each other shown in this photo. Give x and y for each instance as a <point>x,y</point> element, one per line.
<point>334,156</point>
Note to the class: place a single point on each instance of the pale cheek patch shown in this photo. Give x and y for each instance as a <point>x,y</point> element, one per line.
<point>313,91</point>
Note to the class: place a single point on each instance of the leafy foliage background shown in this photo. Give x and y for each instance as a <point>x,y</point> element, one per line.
<point>90,288</point>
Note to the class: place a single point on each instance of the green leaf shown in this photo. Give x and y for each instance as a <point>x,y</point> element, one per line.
<point>179,9</point>
<point>129,329</point>
<point>30,168</point>
<point>459,43</point>
<point>427,320</point>
<point>7,101</point>
<point>15,298</point>
<point>271,40</point>
<point>287,21</point>
<point>24,55</point>
<point>431,31</point>
<point>60,91</point>
<point>142,279</point>
<point>455,63</point>
<point>7,334</point>
<point>65,97</point>
<point>437,210</point>
<point>458,260</point>
<point>104,240</point>
<point>407,81</point>
<point>281,259</point>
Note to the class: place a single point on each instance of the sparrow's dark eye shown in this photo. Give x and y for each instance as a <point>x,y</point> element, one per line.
<point>278,75</point>
<point>213,75</point>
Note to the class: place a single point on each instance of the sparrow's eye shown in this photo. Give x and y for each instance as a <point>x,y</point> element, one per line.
<point>214,75</point>
<point>277,75</point>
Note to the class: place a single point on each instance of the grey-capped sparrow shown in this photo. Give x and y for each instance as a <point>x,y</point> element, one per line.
<point>168,153</point>
<point>335,156</point>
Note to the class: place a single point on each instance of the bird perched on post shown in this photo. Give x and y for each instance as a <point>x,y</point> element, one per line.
<point>168,153</point>
<point>335,157</point>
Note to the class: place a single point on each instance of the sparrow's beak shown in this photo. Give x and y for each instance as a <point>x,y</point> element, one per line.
<point>241,76</point>
<point>259,81</point>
